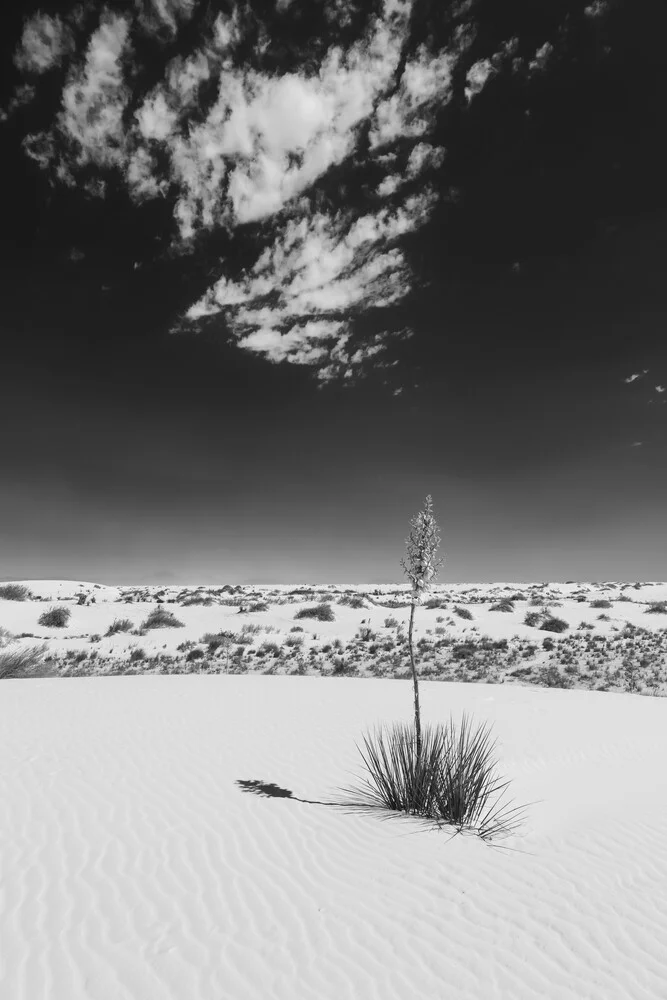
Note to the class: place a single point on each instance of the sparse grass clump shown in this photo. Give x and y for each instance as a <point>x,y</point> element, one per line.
<point>657,608</point>
<point>295,641</point>
<point>321,612</point>
<point>601,603</point>
<point>119,625</point>
<point>351,600</point>
<point>505,605</point>
<point>553,624</point>
<point>55,617</point>
<point>452,782</point>
<point>161,618</point>
<point>15,592</point>
<point>464,613</point>
<point>23,662</point>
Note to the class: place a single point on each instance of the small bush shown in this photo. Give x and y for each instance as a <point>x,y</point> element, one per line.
<point>55,617</point>
<point>321,612</point>
<point>463,613</point>
<point>136,655</point>
<point>295,641</point>
<point>551,677</point>
<point>532,619</point>
<point>351,600</point>
<point>161,618</point>
<point>194,654</point>
<point>23,662</point>
<point>600,603</point>
<point>296,628</point>
<point>452,783</point>
<point>504,605</point>
<point>391,622</point>
<point>554,625</point>
<point>119,625</point>
<point>657,608</point>
<point>15,592</point>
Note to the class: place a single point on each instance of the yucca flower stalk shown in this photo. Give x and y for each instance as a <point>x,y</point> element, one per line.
<point>421,568</point>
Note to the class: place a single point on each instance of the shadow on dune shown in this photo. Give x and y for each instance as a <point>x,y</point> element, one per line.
<point>271,790</point>
<point>359,802</point>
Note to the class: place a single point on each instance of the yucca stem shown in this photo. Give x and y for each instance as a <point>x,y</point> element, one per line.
<point>418,725</point>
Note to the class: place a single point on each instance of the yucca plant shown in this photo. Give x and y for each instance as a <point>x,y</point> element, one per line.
<point>451,783</point>
<point>26,661</point>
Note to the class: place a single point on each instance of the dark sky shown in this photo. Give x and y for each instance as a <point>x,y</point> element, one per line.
<point>476,196</point>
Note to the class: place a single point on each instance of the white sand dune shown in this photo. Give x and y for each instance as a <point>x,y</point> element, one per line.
<point>134,866</point>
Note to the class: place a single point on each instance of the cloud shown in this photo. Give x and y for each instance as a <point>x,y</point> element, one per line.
<point>156,16</point>
<point>89,128</point>
<point>255,156</point>
<point>45,43</point>
<point>319,270</point>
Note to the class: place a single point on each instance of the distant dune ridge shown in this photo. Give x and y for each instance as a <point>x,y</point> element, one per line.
<point>597,636</point>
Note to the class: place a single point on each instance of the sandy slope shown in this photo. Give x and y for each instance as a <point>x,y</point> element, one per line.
<point>84,647</point>
<point>134,867</point>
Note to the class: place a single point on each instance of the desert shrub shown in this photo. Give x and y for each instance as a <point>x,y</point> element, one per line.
<point>296,641</point>
<point>463,613</point>
<point>161,618</point>
<point>15,592</point>
<point>321,612</point>
<point>194,654</point>
<point>601,603</point>
<point>452,782</point>
<point>548,644</point>
<point>390,622</point>
<point>137,654</point>
<point>551,677</point>
<point>296,628</point>
<point>552,624</point>
<point>350,600</point>
<point>23,662</point>
<point>119,625</point>
<point>504,605</point>
<point>532,618</point>
<point>258,606</point>
<point>269,647</point>
<point>95,637</point>
<point>343,667</point>
<point>434,602</point>
<point>657,608</point>
<point>55,617</point>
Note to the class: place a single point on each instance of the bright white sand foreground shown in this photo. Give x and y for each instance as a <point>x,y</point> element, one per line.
<point>134,866</point>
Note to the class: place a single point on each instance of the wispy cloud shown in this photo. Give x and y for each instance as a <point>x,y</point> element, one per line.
<point>45,43</point>
<point>255,157</point>
<point>156,16</point>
